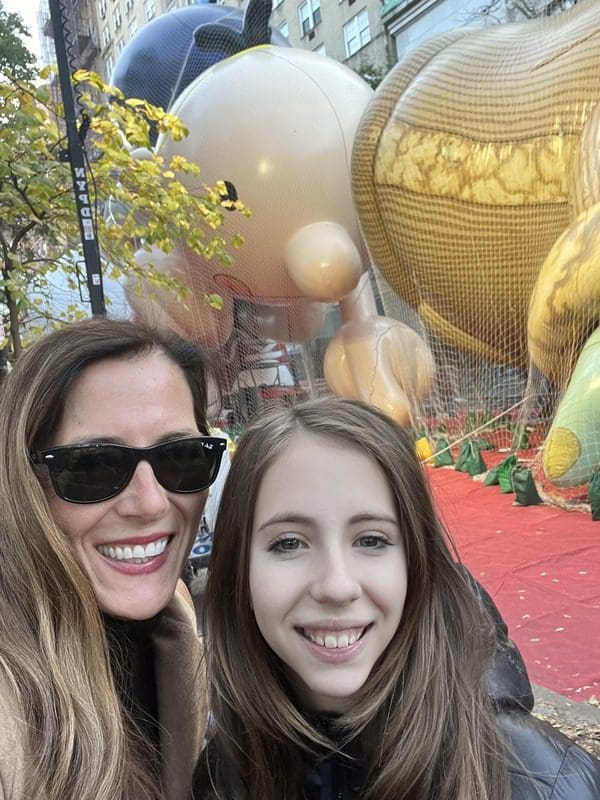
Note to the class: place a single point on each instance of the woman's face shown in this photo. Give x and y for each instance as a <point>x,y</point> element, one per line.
<point>139,402</point>
<point>327,567</point>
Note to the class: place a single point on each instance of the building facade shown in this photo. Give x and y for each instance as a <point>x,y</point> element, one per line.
<point>100,29</point>
<point>350,31</point>
<point>83,43</point>
<point>367,35</point>
<point>409,23</point>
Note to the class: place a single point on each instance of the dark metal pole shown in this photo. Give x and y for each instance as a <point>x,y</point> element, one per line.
<point>74,155</point>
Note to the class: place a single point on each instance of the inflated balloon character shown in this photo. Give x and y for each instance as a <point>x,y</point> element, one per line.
<point>278,124</point>
<point>162,58</point>
<point>475,175</point>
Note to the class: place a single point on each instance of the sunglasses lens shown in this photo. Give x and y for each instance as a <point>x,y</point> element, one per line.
<point>97,472</point>
<point>187,465</point>
<point>88,475</point>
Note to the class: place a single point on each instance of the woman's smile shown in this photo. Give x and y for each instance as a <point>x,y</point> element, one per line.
<point>133,546</point>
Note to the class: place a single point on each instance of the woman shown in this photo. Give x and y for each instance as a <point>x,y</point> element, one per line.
<point>347,652</point>
<point>104,471</point>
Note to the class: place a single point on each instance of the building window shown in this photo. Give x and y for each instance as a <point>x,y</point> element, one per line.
<point>357,33</point>
<point>129,6</point>
<point>309,15</point>
<point>103,9</point>
<point>110,62</point>
<point>276,3</point>
<point>133,26</point>
<point>149,8</point>
<point>284,29</point>
<point>320,50</point>
<point>120,45</point>
<point>106,36</point>
<point>117,19</point>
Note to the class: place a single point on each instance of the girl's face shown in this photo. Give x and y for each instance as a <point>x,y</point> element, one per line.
<point>327,567</point>
<point>132,546</point>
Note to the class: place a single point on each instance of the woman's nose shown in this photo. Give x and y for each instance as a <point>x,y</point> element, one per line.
<point>335,580</point>
<point>143,496</point>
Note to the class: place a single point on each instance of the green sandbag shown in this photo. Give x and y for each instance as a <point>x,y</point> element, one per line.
<point>470,459</point>
<point>524,487</point>
<point>491,479</point>
<point>444,459</point>
<point>594,496</point>
<point>504,473</point>
<point>493,476</point>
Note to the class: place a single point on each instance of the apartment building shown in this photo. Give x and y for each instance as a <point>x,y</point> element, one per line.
<point>409,23</point>
<point>83,41</point>
<point>367,35</point>
<point>100,29</point>
<point>350,31</point>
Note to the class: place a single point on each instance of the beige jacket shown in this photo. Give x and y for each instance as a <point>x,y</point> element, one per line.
<point>180,684</point>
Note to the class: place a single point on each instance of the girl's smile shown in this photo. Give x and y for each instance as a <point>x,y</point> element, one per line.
<point>327,567</point>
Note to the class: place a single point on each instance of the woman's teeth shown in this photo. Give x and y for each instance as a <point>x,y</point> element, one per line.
<point>333,639</point>
<point>137,554</point>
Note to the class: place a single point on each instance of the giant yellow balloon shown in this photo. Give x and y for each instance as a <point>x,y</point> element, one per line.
<point>475,175</point>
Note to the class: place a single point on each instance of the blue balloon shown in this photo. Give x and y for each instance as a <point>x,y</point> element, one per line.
<point>169,52</point>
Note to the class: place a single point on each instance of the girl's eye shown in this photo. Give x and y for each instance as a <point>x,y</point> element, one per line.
<point>286,544</point>
<point>372,542</point>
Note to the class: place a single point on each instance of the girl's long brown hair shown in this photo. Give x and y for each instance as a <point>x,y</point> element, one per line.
<point>53,648</point>
<point>423,716</point>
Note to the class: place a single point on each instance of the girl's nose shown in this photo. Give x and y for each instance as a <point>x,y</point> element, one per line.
<point>335,581</point>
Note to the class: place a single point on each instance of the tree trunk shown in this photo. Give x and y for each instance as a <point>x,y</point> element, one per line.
<point>15,330</point>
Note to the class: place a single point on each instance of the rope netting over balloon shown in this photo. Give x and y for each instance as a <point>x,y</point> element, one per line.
<point>476,179</point>
<point>433,248</point>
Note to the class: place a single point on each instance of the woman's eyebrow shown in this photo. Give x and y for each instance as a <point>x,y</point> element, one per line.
<point>166,437</point>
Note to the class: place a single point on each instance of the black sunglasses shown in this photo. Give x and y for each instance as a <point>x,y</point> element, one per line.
<point>91,473</point>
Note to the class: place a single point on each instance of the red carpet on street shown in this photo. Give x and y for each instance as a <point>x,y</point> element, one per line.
<point>541,565</point>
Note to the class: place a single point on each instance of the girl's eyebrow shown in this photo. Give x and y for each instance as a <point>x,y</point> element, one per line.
<point>373,517</point>
<point>301,519</point>
<point>304,519</point>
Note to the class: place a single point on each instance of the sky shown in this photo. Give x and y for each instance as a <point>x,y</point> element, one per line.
<point>28,11</point>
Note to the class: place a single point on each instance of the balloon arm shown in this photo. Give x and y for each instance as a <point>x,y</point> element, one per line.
<point>359,304</point>
<point>382,362</point>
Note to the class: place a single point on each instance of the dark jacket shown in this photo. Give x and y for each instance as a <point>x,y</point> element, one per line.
<point>547,766</point>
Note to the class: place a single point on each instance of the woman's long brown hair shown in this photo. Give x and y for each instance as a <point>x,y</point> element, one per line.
<point>54,654</point>
<point>423,716</point>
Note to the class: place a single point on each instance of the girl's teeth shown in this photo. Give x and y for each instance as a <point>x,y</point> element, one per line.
<point>138,553</point>
<point>331,640</point>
